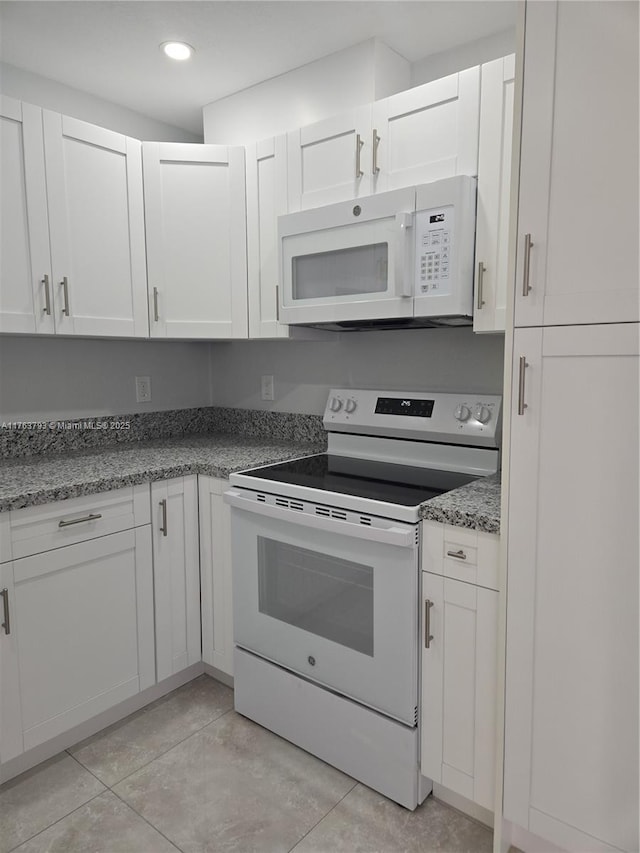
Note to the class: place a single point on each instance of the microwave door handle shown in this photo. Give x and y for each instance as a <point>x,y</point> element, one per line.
<point>404,280</point>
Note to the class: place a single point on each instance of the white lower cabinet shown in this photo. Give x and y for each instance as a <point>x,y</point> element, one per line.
<point>215,574</point>
<point>78,635</point>
<point>176,570</point>
<point>459,662</point>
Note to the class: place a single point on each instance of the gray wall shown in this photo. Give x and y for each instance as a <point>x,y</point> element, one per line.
<point>35,89</point>
<point>304,371</point>
<point>48,378</point>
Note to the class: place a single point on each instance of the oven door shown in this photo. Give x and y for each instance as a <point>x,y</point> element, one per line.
<point>349,261</point>
<point>328,594</point>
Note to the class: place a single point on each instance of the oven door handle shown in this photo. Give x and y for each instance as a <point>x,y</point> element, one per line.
<point>402,537</point>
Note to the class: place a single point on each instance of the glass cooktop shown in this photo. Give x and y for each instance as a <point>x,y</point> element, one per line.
<point>381,481</point>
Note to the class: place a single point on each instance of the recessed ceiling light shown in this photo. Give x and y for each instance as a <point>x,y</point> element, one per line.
<point>177,49</point>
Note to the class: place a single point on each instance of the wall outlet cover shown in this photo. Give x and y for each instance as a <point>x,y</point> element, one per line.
<point>143,389</point>
<point>267,387</point>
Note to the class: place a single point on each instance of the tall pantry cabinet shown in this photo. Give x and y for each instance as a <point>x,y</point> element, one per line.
<point>571,713</point>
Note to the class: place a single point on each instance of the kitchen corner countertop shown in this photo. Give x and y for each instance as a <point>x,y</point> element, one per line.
<point>30,481</point>
<point>476,506</point>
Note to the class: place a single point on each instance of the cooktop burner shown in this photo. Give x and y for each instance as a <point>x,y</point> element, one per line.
<point>381,481</point>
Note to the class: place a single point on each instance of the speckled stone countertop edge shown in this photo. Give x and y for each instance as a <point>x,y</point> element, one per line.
<point>475,506</point>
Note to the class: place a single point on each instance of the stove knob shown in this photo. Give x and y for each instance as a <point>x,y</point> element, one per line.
<point>462,413</point>
<point>482,414</point>
<point>350,406</point>
<point>336,404</point>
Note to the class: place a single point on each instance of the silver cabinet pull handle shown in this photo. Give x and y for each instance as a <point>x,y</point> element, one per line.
<point>64,284</point>
<point>374,144</point>
<point>91,517</point>
<point>480,292</point>
<point>5,601</point>
<point>459,555</point>
<point>47,295</point>
<point>428,636</point>
<point>526,287</point>
<point>522,367</point>
<point>156,316</point>
<point>164,527</point>
<point>359,144</point>
<point>277,303</point>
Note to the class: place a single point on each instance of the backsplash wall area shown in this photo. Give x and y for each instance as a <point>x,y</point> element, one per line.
<point>50,378</point>
<point>304,371</point>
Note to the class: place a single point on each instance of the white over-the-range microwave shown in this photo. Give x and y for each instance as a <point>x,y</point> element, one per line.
<point>395,259</point>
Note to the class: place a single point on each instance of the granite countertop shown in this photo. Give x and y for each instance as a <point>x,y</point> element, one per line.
<point>476,506</point>
<point>30,481</point>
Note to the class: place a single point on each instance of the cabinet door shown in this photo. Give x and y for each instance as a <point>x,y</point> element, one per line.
<point>494,191</point>
<point>571,742</point>
<point>327,160</point>
<point>94,189</point>
<point>459,687</point>
<point>176,574</point>
<point>25,263</point>
<point>266,200</point>
<point>215,574</point>
<point>194,201</point>
<point>579,165</point>
<point>426,133</point>
<point>11,743</point>
<point>83,617</point>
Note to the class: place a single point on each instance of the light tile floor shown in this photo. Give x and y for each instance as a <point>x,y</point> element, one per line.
<point>189,774</point>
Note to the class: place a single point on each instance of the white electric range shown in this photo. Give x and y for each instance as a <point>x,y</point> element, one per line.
<point>326,567</point>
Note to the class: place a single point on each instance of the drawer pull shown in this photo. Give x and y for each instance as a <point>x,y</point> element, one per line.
<point>428,636</point>
<point>91,517</point>
<point>459,555</point>
<point>164,528</point>
<point>5,601</point>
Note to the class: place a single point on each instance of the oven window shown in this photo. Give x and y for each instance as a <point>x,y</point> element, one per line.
<point>324,595</point>
<point>344,272</point>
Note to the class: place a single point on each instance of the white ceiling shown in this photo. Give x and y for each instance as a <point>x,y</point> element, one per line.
<point>110,49</point>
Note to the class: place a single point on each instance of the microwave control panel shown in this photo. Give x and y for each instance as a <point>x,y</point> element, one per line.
<point>435,248</point>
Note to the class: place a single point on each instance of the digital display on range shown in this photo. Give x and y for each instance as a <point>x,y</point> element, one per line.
<point>404,406</point>
<point>436,217</point>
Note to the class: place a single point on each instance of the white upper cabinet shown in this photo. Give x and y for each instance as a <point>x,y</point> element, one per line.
<point>266,200</point>
<point>25,273</point>
<point>426,133</point>
<point>577,253</point>
<point>418,136</point>
<point>571,736</point>
<point>494,191</point>
<point>94,191</point>
<point>194,201</point>
<point>328,160</point>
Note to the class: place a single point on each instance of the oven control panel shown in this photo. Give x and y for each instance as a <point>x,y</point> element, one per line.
<point>452,418</point>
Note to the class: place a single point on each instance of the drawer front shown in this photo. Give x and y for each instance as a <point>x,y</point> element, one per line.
<point>460,554</point>
<point>42,528</point>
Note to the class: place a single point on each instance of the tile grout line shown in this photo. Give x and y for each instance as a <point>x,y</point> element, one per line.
<point>318,822</point>
<point>148,822</point>
<point>82,805</point>
<point>151,760</point>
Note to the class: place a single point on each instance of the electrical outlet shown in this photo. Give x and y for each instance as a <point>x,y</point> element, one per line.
<point>267,387</point>
<point>143,389</point>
